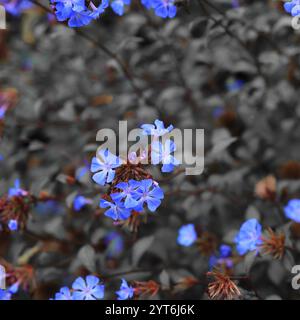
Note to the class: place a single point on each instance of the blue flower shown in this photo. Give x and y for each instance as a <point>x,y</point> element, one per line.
<point>118,6</point>
<point>156,130</point>
<point>79,19</point>
<point>117,210</point>
<point>223,258</point>
<point>233,85</point>
<point>105,166</point>
<point>126,292</point>
<point>63,294</point>
<point>98,11</point>
<point>115,244</point>
<point>164,8</point>
<point>16,7</point>
<point>249,236</point>
<point>16,190</point>
<point>292,210</point>
<point>88,289</point>
<point>3,110</point>
<point>163,154</point>
<point>292,7</point>
<point>12,225</point>
<point>128,193</point>
<point>187,235</point>
<point>80,202</point>
<point>5,295</point>
<point>150,193</point>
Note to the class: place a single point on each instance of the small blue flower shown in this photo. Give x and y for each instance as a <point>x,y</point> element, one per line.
<point>163,154</point>
<point>150,193</point>
<point>117,210</point>
<point>16,190</point>
<point>118,6</point>
<point>13,225</point>
<point>157,129</point>
<point>292,210</point>
<point>115,244</point>
<point>98,11</point>
<point>187,235</point>
<point>80,201</point>
<point>16,7</point>
<point>128,193</point>
<point>223,258</point>
<point>292,7</point>
<point>63,294</point>
<point>126,292</point>
<point>105,166</point>
<point>164,8</point>
<point>88,289</point>
<point>3,110</point>
<point>5,295</point>
<point>147,3</point>
<point>249,236</point>
<point>234,85</point>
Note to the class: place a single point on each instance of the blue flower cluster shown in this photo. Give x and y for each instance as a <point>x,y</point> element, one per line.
<point>292,7</point>
<point>292,210</point>
<point>249,236</point>
<point>78,14</point>
<point>134,195</point>
<point>91,288</point>
<point>187,235</point>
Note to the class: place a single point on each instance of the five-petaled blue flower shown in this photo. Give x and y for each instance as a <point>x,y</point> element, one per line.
<point>187,235</point>
<point>157,129</point>
<point>63,294</point>
<point>104,167</point>
<point>88,289</point>
<point>126,292</point>
<point>150,193</point>
<point>164,8</point>
<point>117,210</point>
<point>163,154</point>
<point>249,236</point>
<point>292,210</point>
<point>129,193</point>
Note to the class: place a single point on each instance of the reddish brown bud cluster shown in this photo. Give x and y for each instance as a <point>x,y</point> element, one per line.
<point>146,288</point>
<point>274,244</point>
<point>185,283</point>
<point>15,208</point>
<point>222,288</point>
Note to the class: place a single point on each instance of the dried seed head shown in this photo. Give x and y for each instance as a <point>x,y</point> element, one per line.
<point>273,244</point>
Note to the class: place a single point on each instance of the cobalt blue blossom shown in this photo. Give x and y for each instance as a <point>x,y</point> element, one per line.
<point>126,292</point>
<point>5,295</point>
<point>163,154</point>
<point>128,193</point>
<point>104,167</point>
<point>292,210</point>
<point>222,258</point>
<point>187,235</point>
<point>16,7</point>
<point>63,294</point>
<point>157,129</point>
<point>80,201</point>
<point>234,85</point>
<point>16,190</point>
<point>292,7</point>
<point>115,244</point>
<point>117,210</point>
<point>147,3</point>
<point>97,11</point>
<point>164,8</point>
<point>148,193</point>
<point>249,236</point>
<point>13,225</point>
<point>118,6</point>
<point>88,289</point>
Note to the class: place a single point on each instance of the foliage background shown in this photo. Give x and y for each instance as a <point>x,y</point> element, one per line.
<point>68,89</point>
